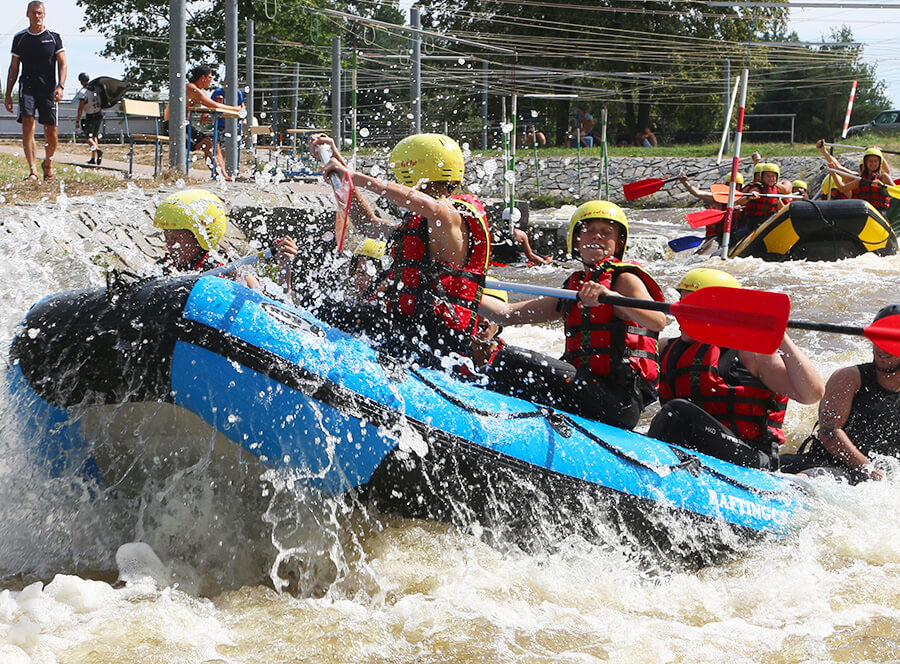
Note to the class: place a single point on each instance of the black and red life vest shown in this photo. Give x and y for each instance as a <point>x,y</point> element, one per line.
<point>873,192</point>
<point>714,379</point>
<point>438,295</point>
<point>206,261</point>
<point>603,343</point>
<point>757,210</point>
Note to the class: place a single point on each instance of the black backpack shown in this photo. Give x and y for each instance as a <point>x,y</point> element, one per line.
<point>109,89</point>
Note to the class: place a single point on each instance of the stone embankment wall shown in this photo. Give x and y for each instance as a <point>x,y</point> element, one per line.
<point>561,177</point>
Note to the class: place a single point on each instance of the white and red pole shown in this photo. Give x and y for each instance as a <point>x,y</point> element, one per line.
<point>735,163</point>
<point>849,109</point>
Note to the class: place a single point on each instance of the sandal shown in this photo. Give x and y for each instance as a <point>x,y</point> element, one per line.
<point>47,165</point>
<point>31,177</point>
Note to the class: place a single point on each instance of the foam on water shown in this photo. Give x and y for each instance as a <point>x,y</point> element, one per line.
<point>189,557</point>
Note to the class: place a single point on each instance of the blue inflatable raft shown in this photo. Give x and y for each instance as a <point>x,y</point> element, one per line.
<point>295,394</point>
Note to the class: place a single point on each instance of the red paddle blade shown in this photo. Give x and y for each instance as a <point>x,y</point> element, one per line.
<point>720,192</point>
<point>343,195</point>
<point>885,333</point>
<point>704,218</point>
<point>740,318</point>
<point>642,188</point>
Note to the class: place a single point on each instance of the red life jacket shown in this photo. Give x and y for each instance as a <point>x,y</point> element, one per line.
<point>435,294</point>
<point>203,263</point>
<point>714,379</point>
<point>612,346</point>
<point>873,192</point>
<point>757,210</point>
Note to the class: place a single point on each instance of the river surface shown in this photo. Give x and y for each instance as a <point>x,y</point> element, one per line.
<point>185,572</point>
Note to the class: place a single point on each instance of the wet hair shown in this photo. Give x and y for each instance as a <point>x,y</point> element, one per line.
<point>83,77</point>
<point>199,72</point>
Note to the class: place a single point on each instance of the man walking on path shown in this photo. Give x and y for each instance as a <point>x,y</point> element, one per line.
<point>41,55</point>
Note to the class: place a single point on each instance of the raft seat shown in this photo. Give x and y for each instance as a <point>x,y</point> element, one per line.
<point>144,109</point>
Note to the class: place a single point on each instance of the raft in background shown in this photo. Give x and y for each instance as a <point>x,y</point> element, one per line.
<point>820,231</point>
<point>287,392</point>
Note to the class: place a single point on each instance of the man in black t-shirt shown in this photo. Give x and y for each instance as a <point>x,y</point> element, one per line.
<point>41,55</point>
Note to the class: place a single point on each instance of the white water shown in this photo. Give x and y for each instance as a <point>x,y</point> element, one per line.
<point>370,589</point>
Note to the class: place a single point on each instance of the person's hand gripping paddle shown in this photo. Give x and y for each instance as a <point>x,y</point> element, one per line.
<point>343,195</point>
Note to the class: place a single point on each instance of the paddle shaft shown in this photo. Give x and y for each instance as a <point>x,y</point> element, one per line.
<point>826,327</point>
<point>618,300</point>
<point>325,155</point>
<point>857,147</point>
<point>250,259</point>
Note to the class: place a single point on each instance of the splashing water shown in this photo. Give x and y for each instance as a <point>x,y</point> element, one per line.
<point>176,559</point>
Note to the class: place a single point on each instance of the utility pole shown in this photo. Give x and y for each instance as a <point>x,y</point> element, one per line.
<point>336,90</point>
<point>251,81</point>
<point>230,140</point>
<point>415,21</point>
<point>177,91</point>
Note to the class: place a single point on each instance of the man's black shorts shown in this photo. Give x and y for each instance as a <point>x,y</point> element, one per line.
<point>44,108</point>
<point>91,123</point>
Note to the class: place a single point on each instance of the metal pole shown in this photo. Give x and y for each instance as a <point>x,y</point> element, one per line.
<point>353,103</point>
<point>512,164</point>
<point>251,82</point>
<point>296,96</point>
<point>605,168</point>
<point>177,100</point>
<point>732,188</point>
<point>231,85</point>
<point>484,106</point>
<point>336,89</point>
<point>792,130</point>
<point>415,21</point>
<point>728,107</point>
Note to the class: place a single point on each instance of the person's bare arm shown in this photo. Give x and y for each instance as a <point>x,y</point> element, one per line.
<point>61,69</point>
<point>197,97</point>
<point>79,112</point>
<point>788,371</point>
<point>834,411</point>
<point>537,310</point>
<point>625,285</point>
<point>11,77</point>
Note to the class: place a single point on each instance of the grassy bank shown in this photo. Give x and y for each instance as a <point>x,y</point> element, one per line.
<point>73,180</point>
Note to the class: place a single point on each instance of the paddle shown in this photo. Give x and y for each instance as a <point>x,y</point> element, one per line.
<point>741,318</point>
<point>249,259</point>
<point>858,147</point>
<point>649,186</point>
<point>893,190</point>
<point>343,195</point>
<point>720,193</point>
<point>884,332</point>
<point>705,217</point>
<point>685,243</point>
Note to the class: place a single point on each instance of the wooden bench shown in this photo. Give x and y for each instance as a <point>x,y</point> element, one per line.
<point>255,134</point>
<point>144,109</point>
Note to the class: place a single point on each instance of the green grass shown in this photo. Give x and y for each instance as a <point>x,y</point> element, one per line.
<point>77,181</point>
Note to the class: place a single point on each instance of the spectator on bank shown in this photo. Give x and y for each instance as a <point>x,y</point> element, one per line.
<point>219,96</point>
<point>532,135</point>
<point>646,138</point>
<point>89,117</point>
<point>42,58</point>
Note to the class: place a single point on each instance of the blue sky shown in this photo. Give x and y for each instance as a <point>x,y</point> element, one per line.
<point>878,28</point>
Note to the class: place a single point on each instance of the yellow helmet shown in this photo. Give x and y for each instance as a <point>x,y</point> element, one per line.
<point>769,167</point>
<point>424,158</point>
<point>591,210</point>
<point>739,179</point>
<point>499,294</point>
<point>195,210</point>
<point>702,277</point>
<point>828,184</point>
<point>758,167</point>
<point>800,184</point>
<point>371,248</point>
<point>873,151</point>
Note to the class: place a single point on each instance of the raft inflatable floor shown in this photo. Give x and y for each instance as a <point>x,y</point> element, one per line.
<point>293,394</point>
<point>820,231</point>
